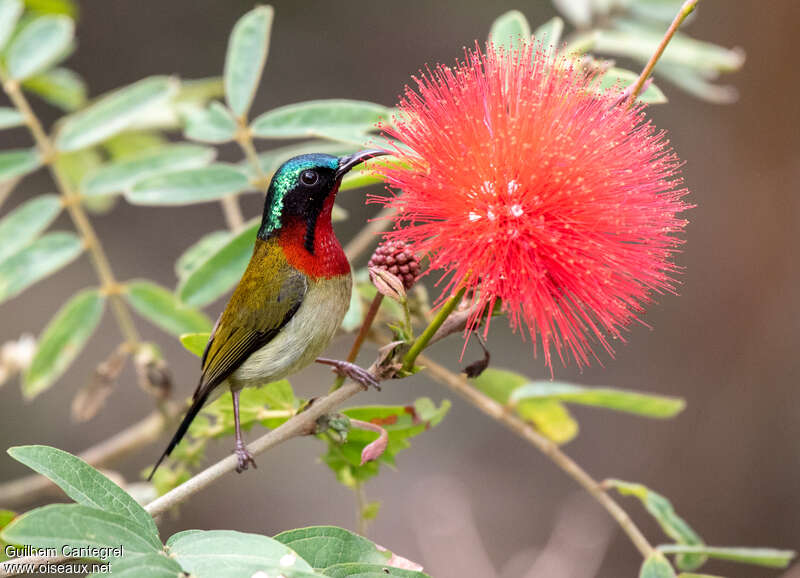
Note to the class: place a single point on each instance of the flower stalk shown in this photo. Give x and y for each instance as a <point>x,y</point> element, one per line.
<point>422,341</point>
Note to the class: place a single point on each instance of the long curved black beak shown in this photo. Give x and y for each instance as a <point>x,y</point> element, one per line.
<point>349,161</point>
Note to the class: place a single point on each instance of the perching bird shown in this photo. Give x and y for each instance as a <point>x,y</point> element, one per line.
<point>292,297</point>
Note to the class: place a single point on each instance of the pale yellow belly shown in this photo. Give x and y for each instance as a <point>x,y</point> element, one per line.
<point>301,340</point>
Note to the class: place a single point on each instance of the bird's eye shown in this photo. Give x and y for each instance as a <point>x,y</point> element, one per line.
<point>309,178</point>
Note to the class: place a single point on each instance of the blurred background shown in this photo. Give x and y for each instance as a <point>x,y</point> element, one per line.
<point>470,498</point>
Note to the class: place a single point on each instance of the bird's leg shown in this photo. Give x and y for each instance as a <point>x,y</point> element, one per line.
<point>353,371</point>
<point>244,457</point>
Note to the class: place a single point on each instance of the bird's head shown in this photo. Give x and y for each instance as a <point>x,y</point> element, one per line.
<point>301,187</point>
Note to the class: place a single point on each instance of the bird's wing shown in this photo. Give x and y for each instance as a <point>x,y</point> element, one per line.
<point>267,297</point>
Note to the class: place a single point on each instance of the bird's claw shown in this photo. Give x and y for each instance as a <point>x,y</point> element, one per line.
<point>244,457</point>
<point>353,371</point>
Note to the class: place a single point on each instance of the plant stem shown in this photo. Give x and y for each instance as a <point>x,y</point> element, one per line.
<point>366,325</point>
<point>496,411</point>
<point>72,201</point>
<point>687,8</point>
<point>234,218</point>
<point>361,505</point>
<point>421,342</point>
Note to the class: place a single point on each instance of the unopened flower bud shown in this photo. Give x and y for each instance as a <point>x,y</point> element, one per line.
<point>153,373</point>
<point>397,258</point>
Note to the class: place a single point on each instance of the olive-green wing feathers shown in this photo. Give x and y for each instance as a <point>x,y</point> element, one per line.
<point>267,297</point>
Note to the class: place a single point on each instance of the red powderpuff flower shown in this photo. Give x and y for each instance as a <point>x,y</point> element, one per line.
<point>525,183</point>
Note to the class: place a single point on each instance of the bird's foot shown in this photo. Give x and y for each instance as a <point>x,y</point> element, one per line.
<point>353,371</point>
<point>244,457</point>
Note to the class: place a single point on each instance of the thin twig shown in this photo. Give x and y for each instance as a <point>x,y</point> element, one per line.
<point>361,506</point>
<point>422,341</point>
<point>366,325</point>
<point>496,411</point>
<point>72,201</point>
<point>687,8</point>
<point>28,489</point>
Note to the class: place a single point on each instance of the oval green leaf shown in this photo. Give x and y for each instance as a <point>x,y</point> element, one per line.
<point>325,546</point>
<point>190,186</point>
<point>644,404</point>
<point>220,271</point>
<point>40,44</point>
<point>84,484</point>
<point>120,176</point>
<point>671,523</point>
<point>247,53</point>
<point>549,416</point>
<point>320,118</point>
<point>9,117</point>
<point>549,33</point>
<point>213,124</point>
<point>24,223</point>
<point>197,254</point>
<point>60,87</point>
<point>18,162</point>
<point>10,11</point>
<point>768,557</point>
<point>154,565</point>
<point>230,554</point>
<point>510,30</point>
<point>78,526</point>
<point>114,112</point>
<point>159,306</point>
<point>195,343</point>
<point>656,566</point>
<point>62,341</point>
<point>36,261</point>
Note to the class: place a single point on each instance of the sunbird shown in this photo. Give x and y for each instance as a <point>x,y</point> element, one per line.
<point>292,296</point>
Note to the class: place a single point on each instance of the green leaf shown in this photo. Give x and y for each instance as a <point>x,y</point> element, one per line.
<point>656,566</point>
<point>62,340</point>
<point>320,118</point>
<point>662,10</point>
<point>79,526</point>
<point>9,117</point>
<point>256,405</point>
<point>163,309</point>
<point>60,87</point>
<point>220,271</point>
<point>189,186</point>
<point>114,112</point>
<point>549,416</point>
<point>66,7</point>
<point>325,546</point>
<point>635,41</point>
<point>213,124</point>
<point>673,525</point>
<point>195,342</point>
<point>768,557</point>
<point>695,84</point>
<point>225,553</point>
<point>120,176</point>
<point>132,144</point>
<point>644,404</point>
<point>198,91</point>
<point>39,259</point>
<point>85,485</point>
<point>359,570</point>
<point>578,12</point>
<point>510,30</point>
<point>24,223</point>
<point>18,162</point>
<point>40,44</point>
<point>401,424</point>
<point>549,33</point>
<point>10,11</point>
<point>619,79</point>
<point>248,47</point>
<point>197,254</point>
<point>154,565</point>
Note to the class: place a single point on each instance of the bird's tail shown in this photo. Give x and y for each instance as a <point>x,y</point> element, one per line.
<point>191,413</point>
